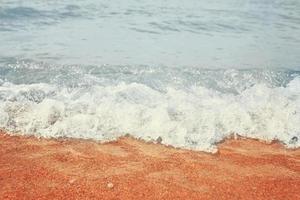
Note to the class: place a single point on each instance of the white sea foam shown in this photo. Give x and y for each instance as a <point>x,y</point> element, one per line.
<point>194,118</point>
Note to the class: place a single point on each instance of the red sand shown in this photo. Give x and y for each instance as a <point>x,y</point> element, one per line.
<point>33,168</point>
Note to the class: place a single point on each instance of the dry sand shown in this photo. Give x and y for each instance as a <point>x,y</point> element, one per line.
<point>33,168</point>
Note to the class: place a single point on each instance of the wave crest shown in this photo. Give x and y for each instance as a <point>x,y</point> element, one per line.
<point>196,118</point>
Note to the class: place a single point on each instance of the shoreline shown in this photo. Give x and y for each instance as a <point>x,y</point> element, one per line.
<point>153,142</point>
<point>128,168</point>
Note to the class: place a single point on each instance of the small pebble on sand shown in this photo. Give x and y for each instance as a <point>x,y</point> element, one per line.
<point>72,181</point>
<point>110,185</point>
<point>159,140</point>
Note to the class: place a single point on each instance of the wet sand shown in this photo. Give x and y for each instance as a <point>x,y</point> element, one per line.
<point>32,168</point>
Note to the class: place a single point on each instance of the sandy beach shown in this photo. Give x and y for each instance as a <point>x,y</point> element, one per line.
<point>32,168</point>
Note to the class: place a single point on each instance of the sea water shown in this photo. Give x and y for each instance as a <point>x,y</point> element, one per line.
<point>188,72</point>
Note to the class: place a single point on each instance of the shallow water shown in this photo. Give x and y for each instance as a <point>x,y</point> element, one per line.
<point>189,72</point>
<point>235,33</point>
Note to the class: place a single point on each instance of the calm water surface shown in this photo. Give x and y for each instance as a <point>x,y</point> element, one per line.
<point>232,33</point>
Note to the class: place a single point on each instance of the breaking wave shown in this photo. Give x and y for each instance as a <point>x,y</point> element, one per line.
<point>189,108</point>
